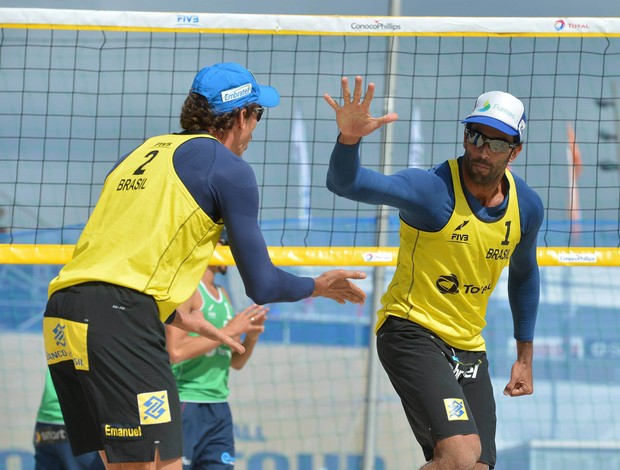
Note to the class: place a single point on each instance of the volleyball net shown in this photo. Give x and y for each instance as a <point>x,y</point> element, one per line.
<point>80,89</point>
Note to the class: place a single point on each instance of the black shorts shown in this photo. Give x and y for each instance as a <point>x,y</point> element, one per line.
<point>444,391</point>
<point>106,351</point>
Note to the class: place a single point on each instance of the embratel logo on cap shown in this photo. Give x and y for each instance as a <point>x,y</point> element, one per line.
<point>236,93</point>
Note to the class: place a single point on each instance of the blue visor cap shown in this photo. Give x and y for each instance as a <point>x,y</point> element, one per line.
<point>228,86</point>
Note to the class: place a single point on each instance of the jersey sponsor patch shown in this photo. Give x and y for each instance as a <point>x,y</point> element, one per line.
<point>455,409</point>
<point>66,340</point>
<point>153,407</point>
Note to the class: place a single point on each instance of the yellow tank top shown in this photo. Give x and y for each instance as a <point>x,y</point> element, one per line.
<point>146,232</point>
<point>443,279</point>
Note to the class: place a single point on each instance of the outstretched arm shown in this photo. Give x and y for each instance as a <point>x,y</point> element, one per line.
<point>353,117</point>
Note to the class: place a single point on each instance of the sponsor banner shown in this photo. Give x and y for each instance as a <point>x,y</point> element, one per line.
<point>299,24</point>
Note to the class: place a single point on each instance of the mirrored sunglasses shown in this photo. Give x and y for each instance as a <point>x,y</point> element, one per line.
<point>496,145</point>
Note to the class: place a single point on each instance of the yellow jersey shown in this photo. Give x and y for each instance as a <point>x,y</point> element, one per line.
<point>146,232</point>
<point>443,279</point>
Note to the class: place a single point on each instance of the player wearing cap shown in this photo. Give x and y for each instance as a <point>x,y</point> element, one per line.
<point>461,222</point>
<point>142,253</point>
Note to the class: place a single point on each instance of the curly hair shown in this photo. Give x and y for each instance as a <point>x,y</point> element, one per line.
<point>197,115</point>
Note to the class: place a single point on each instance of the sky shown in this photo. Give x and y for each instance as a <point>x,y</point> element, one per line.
<point>551,8</point>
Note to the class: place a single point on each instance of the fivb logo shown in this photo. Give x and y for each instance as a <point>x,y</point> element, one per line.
<point>236,93</point>
<point>187,19</point>
<point>460,237</point>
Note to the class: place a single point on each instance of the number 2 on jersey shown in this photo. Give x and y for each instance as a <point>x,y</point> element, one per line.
<point>152,154</point>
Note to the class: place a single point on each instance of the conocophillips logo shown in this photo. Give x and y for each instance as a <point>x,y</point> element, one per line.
<point>561,25</point>
<point>376,25</point>
<point>588,258</point>
<point>378,256</point>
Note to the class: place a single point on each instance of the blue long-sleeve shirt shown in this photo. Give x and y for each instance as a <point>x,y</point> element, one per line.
<point>425,199</point>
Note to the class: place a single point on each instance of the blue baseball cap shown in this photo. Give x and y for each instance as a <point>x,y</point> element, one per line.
<point>228,85</point>
<point>500,110</point>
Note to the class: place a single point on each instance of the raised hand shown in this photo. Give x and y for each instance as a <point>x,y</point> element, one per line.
<point>335,285</point>
<point>249,321</point>
<point>353,117</point>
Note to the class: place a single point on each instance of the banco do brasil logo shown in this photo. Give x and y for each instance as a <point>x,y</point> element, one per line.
<point>448,284</point>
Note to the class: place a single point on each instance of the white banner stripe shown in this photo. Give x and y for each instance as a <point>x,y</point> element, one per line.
<point>306,24</point>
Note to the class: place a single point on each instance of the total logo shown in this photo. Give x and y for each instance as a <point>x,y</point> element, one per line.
<point>449,284</point>
<point>561,25</point>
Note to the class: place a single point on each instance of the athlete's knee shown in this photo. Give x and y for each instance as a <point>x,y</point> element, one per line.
<point>460,452</point>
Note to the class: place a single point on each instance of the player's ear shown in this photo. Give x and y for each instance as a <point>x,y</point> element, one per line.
<point>241,119</point>
<point>245,115</point>
<point>515,151</point>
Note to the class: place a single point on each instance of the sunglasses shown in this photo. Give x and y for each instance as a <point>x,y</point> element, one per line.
<point>496,145</point>
<point>259,113</point>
